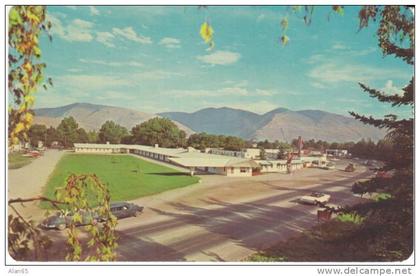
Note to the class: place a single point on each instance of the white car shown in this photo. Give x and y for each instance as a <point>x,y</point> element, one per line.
<point>314,198</point>
<point>330,166</point>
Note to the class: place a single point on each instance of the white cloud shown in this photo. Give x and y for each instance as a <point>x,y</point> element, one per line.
<point>105,38</point>
<point>224,91</point>
<point>76,30</point>
<point>88,83</point>
<point>79,30</point>
<point>330,73</point>
<point>115,95</point>
<point>130,34</point>
<point>74,70</point>
<point>317,85</point>
<point>390,88</point>
<point>263,92</point>
<point>155,75</point>
<point>111,63</point>
<point>260,17</point>
<point>339,46</point>
<point>362,52</point>
<point>236,91</point>
<point>242,83</point>
<point>220,58</point>
<point>170,42</point>
<point>93,11</point>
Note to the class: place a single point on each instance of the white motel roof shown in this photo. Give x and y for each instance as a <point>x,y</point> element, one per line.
<point>214,162</point>
<point>181,156</point>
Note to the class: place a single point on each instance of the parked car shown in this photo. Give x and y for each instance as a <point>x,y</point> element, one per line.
<point>329,166</point>
<point>61,221</point>
<point>125,209</point>
<point>350,168</point>
<point>120,210</point>
<point>314,198</point>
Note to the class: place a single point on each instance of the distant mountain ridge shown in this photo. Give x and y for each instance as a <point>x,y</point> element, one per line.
<point>92,116</point>
<point>278,124</point>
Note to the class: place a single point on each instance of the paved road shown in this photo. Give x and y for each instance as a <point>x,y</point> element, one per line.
<point>227,219</point>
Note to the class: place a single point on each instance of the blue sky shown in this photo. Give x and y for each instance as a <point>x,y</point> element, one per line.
<point>152,59</point>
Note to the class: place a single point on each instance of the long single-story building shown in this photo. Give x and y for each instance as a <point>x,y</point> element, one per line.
<point>279,166</point>
<point>188,158</point>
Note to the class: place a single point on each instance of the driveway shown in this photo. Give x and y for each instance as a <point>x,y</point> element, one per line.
<point>227,219</point>
<point>28,181</point>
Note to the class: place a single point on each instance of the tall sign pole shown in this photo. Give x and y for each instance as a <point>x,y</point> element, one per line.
<point>300,145</point>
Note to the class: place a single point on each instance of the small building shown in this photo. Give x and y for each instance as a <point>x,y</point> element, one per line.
<point>337,152</point>
<point>279,166</point>
<point>273,166</point>
<point>249,153</point>
<point>314,160</point>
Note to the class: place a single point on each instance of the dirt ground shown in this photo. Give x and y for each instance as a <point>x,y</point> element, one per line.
<point>223,218</point>
<point>29,180</point>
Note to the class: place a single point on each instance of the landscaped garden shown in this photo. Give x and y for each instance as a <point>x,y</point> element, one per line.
<point>127,177</point>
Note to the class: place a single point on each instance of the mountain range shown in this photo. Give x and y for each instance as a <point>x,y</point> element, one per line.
<point>279,124</point>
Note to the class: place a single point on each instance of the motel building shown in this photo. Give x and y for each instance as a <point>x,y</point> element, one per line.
<point>279,166</point>
<point>189,158</point>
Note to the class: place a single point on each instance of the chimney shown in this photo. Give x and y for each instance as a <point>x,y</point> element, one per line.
<point>156,145</point>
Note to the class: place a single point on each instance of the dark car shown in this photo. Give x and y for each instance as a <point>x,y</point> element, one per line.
<point>120,210</point>
<point>125,209</point>
<point>61,221</point>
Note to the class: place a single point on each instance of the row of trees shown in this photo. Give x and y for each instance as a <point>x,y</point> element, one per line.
<point>165,133</point>
<point>160,131</point>
<point>203,140</point>
<point>365,148</point>
<point>155,131</point>
<point>66,133</point>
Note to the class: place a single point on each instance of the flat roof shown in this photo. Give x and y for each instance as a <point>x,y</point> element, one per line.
<point>209,162</point>
<point>181,156</point>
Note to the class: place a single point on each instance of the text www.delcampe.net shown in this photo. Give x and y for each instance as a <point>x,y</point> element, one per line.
<point>365,271</point>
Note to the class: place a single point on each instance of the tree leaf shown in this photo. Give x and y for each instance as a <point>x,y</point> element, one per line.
<point>284,39</point>
<point>284,23</point>
<point>206,32</point>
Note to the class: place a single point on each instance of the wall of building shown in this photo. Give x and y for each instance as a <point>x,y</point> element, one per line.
<point>274,166</point>
<point>214,170</point>
<point>97,150</point>
<point>232,153</point>
<point>244,171</point>
<point>252,153</point>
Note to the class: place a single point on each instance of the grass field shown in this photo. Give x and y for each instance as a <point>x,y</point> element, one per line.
<point>127,177</point>
<point>17,160</point>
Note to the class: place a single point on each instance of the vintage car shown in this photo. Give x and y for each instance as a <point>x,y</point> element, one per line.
<point>125,209</point>
<point>62,220</point>
<point>315,198</point>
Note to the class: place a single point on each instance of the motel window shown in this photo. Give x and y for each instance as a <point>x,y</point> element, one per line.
<point>244,170</point>
<point>278,165</point>
<point>232,170</point>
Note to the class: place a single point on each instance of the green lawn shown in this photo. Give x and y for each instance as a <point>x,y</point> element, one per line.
<point>127,177</point>
<point>17,160</point>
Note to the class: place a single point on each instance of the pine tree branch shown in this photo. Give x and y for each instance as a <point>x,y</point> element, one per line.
<point>396,100</point>
<point>390,122</point>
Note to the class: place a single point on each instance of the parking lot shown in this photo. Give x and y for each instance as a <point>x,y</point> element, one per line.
<point>227,219</point>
